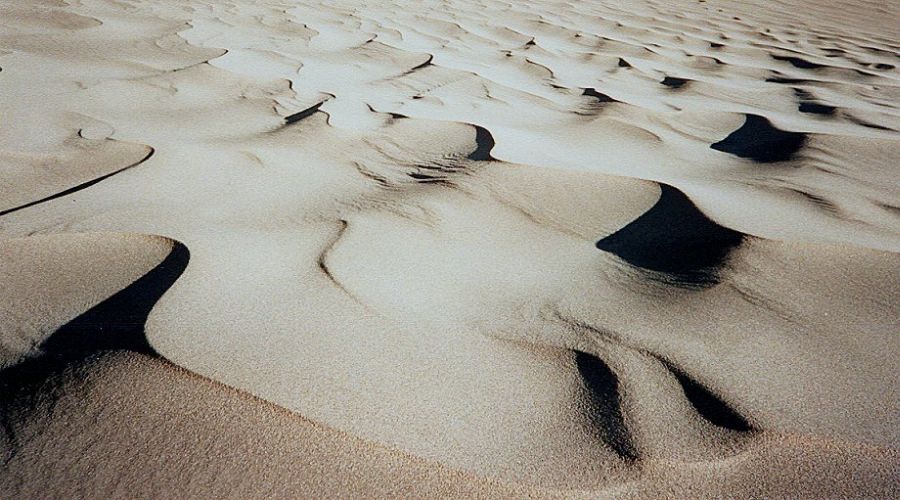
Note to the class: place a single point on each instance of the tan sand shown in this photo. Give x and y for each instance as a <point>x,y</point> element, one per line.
<point>50,279</point>
<point>126,425</point>
<point>455,248</point>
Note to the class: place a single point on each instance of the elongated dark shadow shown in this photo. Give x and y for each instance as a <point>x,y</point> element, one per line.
<point>809,104</point>
<point>427,63</point>
<point>605,404</point>
<point>798,62</point>
<point>760,141</point>
<point>674,82</point>
<point>868,125</point>
<point>602,98</point>
<point>816,108</point>
<point>306,113</point>
<point>117,323</point>
<point>485,143</point>
<point>785,80</point>
<point>79,187</point>
<point>708,405</point>
<point>675,240</point>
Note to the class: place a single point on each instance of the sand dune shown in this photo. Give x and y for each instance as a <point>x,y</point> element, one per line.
<point>468,248</point>
<point>50,280</point>
<point>125,425</point>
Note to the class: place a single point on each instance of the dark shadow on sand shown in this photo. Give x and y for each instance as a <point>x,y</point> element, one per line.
<point>117,323</point>
<point>809,104</point>
<point>676,241</point>
<point>605,404</point>
<point>306,113</point>
<point>787,81</point>
<point>816,108</point>
<point>79,187</point>
<point>601,98</point>
<point>760,141</point>
<point>485,143</point>
<point>708,405</point>
<point>798,62</point>
<point>674,82</point>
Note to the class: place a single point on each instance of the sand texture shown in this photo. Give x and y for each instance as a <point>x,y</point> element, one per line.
<point>459,248</point>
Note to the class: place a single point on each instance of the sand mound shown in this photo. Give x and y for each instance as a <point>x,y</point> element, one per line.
<point>49,280</point>
<point>126,425</point>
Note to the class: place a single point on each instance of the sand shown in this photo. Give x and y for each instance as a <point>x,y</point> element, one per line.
<point>465,248</point>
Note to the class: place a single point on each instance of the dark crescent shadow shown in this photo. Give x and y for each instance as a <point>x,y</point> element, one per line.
<point>758,140</point>
<point>117,323</point>
<point>675,241</point>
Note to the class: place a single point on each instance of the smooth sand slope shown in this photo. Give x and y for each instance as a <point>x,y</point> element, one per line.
<point>449,248</point>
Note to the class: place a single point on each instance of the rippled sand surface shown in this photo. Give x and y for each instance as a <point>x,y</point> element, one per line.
<point>449,248</point>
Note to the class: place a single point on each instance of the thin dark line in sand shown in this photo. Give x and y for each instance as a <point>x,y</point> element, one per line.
<point>79,187</point>
<point>300,115</point>
<point>428,62</point>
<point>322,264</point>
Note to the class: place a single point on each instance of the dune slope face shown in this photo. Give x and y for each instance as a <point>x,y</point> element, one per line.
<point>466,247</point>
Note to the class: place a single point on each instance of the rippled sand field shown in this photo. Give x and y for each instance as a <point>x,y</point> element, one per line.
<point>270,249</point>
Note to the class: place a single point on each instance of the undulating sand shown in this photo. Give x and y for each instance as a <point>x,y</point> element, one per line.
<point>467,248</point>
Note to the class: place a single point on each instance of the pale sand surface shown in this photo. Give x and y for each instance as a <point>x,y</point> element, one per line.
<point>450,248</point>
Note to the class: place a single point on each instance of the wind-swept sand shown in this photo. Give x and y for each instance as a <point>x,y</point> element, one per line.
<point>281,248</point>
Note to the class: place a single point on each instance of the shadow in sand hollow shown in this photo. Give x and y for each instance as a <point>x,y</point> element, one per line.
<point>674,82</point>
<point>484,144</point>
<point>798,62</point>
<point>605,404</point>
<point>707,404</point>
<point>676,241</point>
<point>601,98</point>
<point>760,141</point>
<point>300,115</point>
<point>808,104</point>
<point>117,323</point>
